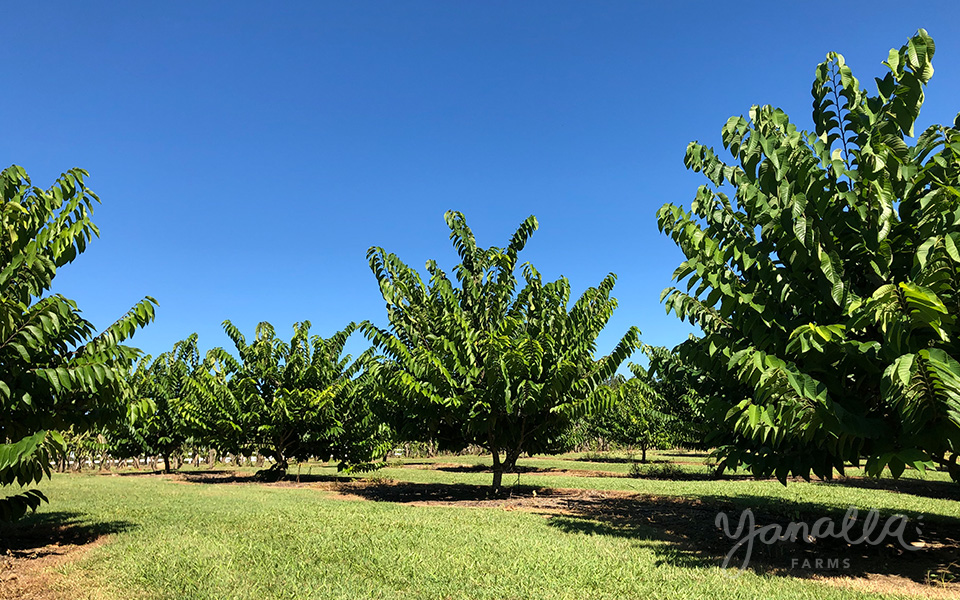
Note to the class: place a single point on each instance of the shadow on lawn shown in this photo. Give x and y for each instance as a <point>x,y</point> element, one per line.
<point>484,468</point>
<point>649,470</point>
<point>251,477</point>
<point>683,531</point>
<point>685,454</point>
<point>457,494</point>
<point>42,533</point>
<point>945,490</point>
<point>686,534</point>
<point>137,473</point>
<point>617,459</point>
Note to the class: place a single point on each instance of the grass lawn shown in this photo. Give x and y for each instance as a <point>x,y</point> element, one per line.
<point>424,529</point>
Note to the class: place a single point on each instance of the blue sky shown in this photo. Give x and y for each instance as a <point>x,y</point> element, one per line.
<point>247,153</point>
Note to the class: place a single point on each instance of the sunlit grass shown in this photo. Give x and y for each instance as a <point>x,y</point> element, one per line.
<point>199,541</point>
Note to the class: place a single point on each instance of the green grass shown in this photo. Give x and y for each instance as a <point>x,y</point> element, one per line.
<point>196,541</point>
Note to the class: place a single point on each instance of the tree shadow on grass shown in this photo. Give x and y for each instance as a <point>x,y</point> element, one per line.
<point>670,473</point>
<point>684,533</point>
<point>619,459</point>
<point>485,468</point>
<point>144,473</point>
<point>683,454</point>
<point>460,494</point>
<point>938,490</point>
<point>38,534</point>
<point>605,459</point>
<point>649,470</point>
<point>251,477</point>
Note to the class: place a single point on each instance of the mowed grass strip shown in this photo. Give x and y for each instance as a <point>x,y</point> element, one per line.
<point>182,540</point>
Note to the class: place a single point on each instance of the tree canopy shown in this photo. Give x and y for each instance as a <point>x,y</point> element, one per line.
<point>300,399</point>
<point>823,268</point>
<point>164,384</point>
<point>484,359</point>
<point>56,371</point>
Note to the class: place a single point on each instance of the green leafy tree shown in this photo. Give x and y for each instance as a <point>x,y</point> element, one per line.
<point>678,387</point>
<point>634,419</point>
<point>164,384</point>
<point>90,444</point>
<point>302,399</point>
<point>56,372</point>
<point>643,420</point>
<point>212,414</point>
<point>827,286</point>
<point>487,361</point>
<point>656,408</point>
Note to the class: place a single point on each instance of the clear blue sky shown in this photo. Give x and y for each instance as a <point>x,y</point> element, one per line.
<point>248,153</point>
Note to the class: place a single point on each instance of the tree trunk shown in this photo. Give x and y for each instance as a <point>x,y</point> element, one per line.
<point>643,453</point>
<point>166,463</point>
<point>277,470</point>
<point>497,471</point>
<point>510,458</point>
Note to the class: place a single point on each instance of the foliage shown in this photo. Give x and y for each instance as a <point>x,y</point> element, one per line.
<point>302,399</point>
<point>211,414</point>
<point>483,362</point>
<point>658,407</point>
<point>56,372</point>
<point>827,287</point>
<point>163,383</point>
<point>83,445</point>
<point>640,416</point>
<point>679,388</point>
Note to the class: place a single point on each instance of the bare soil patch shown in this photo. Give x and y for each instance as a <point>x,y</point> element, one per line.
<point>32,550</point>
<point>35,577</point>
